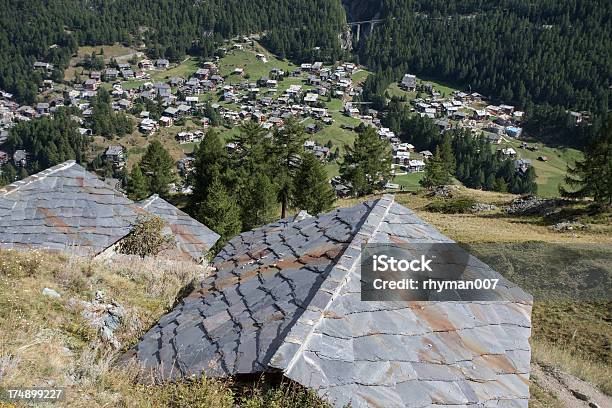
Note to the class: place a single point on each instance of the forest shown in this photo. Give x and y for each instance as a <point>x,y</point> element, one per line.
<point>521,52</point>
<point>52,30</point>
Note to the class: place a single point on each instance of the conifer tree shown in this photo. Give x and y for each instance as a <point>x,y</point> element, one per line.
<point>528,182</point>
<point>210,159</point>
<point>9,172</point>
<point>447,155</point>
<point>436,173</point>
<point>220,212</point>
<point>137,186</point>
<point>289,145</point>
<point>312,191</point>
<point>258,201</point>
<point>592,177</point>
<point>367,164</point>
<point>158,166</point>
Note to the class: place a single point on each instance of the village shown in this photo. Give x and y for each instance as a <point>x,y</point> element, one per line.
<point>322,97</point>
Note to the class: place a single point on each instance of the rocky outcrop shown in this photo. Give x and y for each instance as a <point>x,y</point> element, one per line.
<point>532,205</point>
<point>105,317</point>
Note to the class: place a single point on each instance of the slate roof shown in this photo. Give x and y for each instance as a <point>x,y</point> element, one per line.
<point>286,298</point>
<point>67,208</point>
<point>192,237</point>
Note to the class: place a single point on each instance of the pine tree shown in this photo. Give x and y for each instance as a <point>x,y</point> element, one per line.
<point>219,212</point>
<point>137,186</point>
<point>592,177</point>
<point>447,155</point>
<point>367,164</point>
<point>436,173</point>
<point>23,173</point>
<point>500,185</point>
<point>312,191</point>
<point>9,172</point>
<point>158,167</point>
<point>210,159</point>
<point>258,201</point>
<point>289,145</point>
<point>528,182</point>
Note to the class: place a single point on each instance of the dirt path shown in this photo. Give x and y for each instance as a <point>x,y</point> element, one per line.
<point>571,391</point>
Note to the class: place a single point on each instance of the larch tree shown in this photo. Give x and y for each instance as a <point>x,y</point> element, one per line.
<point>436,173</point>
<point>367,164</point>
<point>592,176</point>
<point>289,146</point>
<point>158,166</point>
<point>312,191</point>
<point>219,211</point>
<point>137,185</point>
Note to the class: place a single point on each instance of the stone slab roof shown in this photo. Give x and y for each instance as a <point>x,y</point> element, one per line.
<point>192,237</point>
<point>286,298</point>
<point>67,208</point>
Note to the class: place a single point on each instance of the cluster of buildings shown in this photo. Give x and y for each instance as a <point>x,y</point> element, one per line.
<point>269,101</point>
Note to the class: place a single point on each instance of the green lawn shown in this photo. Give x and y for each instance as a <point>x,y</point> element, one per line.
<point>551,173</point>
<point>360,75</point>
<point>410,181</point>
<point>335,105</point>
<point>183,70</point>
<point>395,90</point>
<point>338,136</point>
<point>444,88</point>
<point>247,60</point>
<point>133,84</point>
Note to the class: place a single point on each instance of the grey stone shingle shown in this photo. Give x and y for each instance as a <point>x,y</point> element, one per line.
<point>287,297</point>
<point>68,208</point>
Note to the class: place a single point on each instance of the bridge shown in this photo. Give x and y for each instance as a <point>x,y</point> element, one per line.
<point>369,23</point>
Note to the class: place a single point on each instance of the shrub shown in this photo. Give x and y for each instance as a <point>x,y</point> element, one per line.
<point>451,206</point>
<point>146,237</point>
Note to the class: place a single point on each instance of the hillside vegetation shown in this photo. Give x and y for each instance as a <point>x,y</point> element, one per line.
<point>521,52</point>
<point>163,28</point>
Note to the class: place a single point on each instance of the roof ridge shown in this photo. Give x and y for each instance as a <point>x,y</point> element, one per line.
<point>302,330</point>
<point>36,177</point>
<point>147,201</point>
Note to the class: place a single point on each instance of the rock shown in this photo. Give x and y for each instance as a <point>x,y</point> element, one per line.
<point>565,226</point>
<point>594,405</point>
<point>106,317</point>
<point>478,207</point>
<point>51,293</point>
<point>112,322</point>
<point>532,205</point>
<point>99,296</point>
<point>443,191</point>
<point>580,395</point>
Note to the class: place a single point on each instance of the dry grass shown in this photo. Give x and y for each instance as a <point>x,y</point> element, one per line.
<point>540,397</point>
<point>44,341</point>
<point>494,226</point>
<point>595,372</point>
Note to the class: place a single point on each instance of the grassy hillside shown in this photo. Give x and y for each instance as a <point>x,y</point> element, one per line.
<point>550,174</point>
